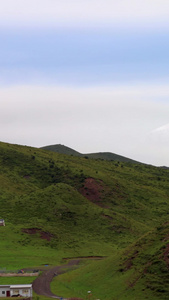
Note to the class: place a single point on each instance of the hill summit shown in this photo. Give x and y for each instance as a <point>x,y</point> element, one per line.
<point>99,155</point>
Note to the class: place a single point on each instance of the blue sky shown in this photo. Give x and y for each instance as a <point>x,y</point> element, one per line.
<point>83,57</point>
<point>92,75</point>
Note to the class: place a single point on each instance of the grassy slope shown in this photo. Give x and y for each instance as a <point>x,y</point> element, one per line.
<point>110,156</point>
<point>100,155</point>
<point>41,189</point>
<point>62,150</point>
<point>139,272</point>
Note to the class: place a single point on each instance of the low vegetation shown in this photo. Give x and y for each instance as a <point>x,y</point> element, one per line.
<point>59,206</point>
<point>99,155</point>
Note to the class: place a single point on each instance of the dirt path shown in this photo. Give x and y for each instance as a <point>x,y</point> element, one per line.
<point>41,284</point>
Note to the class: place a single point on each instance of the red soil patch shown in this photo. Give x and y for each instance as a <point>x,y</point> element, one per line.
<point>166,238</point>
<point>27,177</point>
<point>92,190</point>
<point>84,257</point>
<point>129,262</point>
<point>75,299</point>
<point>44,235</point>
<point>107,217</point>
<point>166,255</point>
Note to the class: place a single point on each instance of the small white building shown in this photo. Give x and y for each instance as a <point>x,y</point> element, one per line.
<point>23,290</point>
<point>2,222</point>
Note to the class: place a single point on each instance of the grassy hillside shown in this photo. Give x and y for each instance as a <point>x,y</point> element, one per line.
<point>110,156</point>
<point>100,155</point>
<point>58,206</point>
<point>138,272</point>
<point>62,149</point>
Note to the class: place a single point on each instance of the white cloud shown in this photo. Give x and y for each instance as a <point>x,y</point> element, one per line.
<point>160,136</point>
<point>55,13</point>
<point>115,119</point>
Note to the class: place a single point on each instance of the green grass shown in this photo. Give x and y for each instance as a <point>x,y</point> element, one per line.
<point>100,155</point>
<point>43,190</point>
<point>139,272</point>
<point>16,280</point>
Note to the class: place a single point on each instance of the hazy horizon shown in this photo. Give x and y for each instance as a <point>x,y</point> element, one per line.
<point>92,76</point>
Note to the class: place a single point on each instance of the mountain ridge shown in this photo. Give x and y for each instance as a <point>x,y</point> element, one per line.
<point>62,149</point>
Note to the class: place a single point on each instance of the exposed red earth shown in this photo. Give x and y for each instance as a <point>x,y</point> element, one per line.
<point>44,235</point>
<point>92,190</point>
<point>166,255</point>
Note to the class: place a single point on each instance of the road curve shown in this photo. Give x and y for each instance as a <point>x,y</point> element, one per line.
<point>41,285</point>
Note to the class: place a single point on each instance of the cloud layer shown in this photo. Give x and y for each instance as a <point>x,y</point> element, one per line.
<point>54,13</point>
<point>92,75</point>
<point>115,119</point>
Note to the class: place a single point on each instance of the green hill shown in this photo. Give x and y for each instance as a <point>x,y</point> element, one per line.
<point>62,149</point>
<point>58,206</point>
<point>110,156</point>
<point>100,155</point>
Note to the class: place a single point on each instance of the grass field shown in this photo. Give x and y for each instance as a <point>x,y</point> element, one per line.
<point>57,206</point>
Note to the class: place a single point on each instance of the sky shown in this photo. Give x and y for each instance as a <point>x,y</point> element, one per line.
<point>91,75</point>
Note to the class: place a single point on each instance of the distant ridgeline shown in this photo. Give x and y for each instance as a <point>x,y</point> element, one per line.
<point>59,206</point>
<point>100,155</point>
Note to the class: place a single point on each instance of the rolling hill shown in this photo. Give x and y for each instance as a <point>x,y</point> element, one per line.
<point>57,206</point>
<point>100,155</point>
<point>62,150</point>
